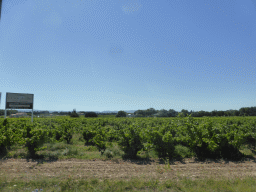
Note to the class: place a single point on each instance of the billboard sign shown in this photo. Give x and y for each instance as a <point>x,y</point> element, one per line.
<point>19,101</point>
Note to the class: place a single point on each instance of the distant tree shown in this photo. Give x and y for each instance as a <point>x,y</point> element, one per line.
<point>214,113</point>
<point>220,113</point>
<point>181,114</point>
<point>185,112</point>
<point>227,113</point>
<point>172,113</point>
<point>64,113</point>
<point>202,113</point>
<point>252,111</point>
<point>140,113</point>
<point>162,113</point>
<point>90,114</point>
<point>121,114</point>
<point>236,113</point>
<point>150,112</point>
<point>8,112</point>
<point>208,113</point>
<point>36,113</point>
<point>74,114</point>
<point>194,114</point>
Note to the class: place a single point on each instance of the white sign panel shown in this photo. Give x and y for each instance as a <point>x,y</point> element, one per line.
<point>19,101</point>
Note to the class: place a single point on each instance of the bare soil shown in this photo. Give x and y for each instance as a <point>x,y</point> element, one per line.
<point>28,170</point>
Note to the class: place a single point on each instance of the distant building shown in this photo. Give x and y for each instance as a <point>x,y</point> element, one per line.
<point>130,115</point>
<point>19,115</point>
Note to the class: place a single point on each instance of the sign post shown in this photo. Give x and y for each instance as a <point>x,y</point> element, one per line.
<point>19,101</point>
<point>0,105</point>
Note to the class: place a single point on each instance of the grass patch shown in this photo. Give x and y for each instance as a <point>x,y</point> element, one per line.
<point>134,184</point>
<point>183,151</point>
<point>113,151</point>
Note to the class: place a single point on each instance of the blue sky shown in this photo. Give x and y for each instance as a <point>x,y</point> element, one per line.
<point>96,55</point>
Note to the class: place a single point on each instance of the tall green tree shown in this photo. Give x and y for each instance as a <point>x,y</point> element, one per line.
<point>74,113</point>
<point>140,113</point>
<point>185,112</point>
<point>150,112</point>
<point>121,114</point>
<point>162,113</point>
<point>172,113</point>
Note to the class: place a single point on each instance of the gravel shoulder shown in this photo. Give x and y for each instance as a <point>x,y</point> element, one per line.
<point>26,170</point>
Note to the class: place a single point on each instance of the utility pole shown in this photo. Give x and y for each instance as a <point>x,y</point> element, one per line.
<point>0,8</point>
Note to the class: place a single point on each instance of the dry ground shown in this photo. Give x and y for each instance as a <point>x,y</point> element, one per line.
<point>28,170</point>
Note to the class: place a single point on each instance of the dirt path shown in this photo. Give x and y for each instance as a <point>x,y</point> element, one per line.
<point>121,169</point>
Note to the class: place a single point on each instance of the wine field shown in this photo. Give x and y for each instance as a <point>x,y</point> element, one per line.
<point>184,149</point>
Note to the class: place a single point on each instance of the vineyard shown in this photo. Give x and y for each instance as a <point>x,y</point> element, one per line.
<point>219,137</point>
<point>128,154</point>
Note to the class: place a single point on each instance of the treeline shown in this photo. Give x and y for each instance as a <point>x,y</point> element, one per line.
<point>47,113</point>
<point>151,112</point>
<point>8,112</point>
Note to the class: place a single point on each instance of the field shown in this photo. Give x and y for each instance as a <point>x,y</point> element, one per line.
<point>121,154</point>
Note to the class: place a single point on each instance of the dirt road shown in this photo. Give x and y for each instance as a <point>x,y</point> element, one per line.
<point>121,169</point>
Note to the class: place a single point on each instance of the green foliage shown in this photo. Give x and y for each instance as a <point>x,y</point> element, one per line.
<point>181,114</point>
<point>8,137</point>
<point>108,153</point>
<point>121,114</point>
<point>113,151</point>
<point>162,139</point>
<point>209,141</point>
<point>88,134</point>
<point>183,151</point>
<point>90,114</point>
<point>58,134</point>
<point>74,114</point>
<point>67,130</point>
<point>100,139</point>
<point>162,113</point>
<point>5,123</point>
<point>33,138</point>
<point>215,137</point>
<point>131,140</point>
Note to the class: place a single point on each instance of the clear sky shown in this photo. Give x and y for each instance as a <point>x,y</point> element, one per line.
<point>96,55</point>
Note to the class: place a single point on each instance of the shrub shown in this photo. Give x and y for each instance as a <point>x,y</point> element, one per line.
<point>35,137</point>
<point>67,131</point>
<point>113,151</point>
<point>108,153</point>
<point>88,134</point>
<point>130,140</point>
<point>90,114</point>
